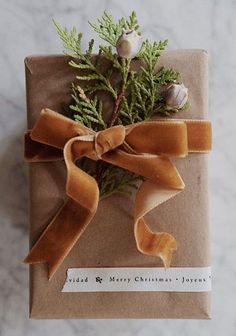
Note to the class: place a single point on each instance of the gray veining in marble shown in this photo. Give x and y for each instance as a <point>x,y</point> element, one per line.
<point>26,28</point>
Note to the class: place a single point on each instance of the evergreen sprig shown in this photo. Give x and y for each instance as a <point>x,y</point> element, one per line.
<point>110,31</point>
<point>88,111</point>
<point>137,94</point>
<point>117,181</point>
<point>83,61</point>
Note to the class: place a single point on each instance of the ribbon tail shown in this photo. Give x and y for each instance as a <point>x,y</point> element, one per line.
<point>70,222</point>
<point>60,236</point>
<point>149,196</point>
<point>164,182</point>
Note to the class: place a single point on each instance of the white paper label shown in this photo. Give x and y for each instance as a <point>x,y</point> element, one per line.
<point>122,279</point>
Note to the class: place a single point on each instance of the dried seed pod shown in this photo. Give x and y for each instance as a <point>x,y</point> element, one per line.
<point>128,44</point>
<point>176,96</point>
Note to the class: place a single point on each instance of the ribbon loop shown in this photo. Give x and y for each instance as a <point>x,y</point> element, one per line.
<point>144,148</point>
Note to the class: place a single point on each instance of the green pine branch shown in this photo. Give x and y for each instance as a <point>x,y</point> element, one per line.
<point>110,31</point>
<point>82,61</point>
<point>137,94</point>
<point>87,111</point>
<point>118,181</point>
<point>149,81</point>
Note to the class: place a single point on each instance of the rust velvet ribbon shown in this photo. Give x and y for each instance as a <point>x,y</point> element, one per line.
<point>144,148</point>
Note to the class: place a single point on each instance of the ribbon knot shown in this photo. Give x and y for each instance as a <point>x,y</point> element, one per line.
<point>108,139</point>
<point>144,148</point>
<point>104,141</point>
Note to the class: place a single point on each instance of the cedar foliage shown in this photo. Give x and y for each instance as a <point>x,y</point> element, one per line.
<point>137,94</point>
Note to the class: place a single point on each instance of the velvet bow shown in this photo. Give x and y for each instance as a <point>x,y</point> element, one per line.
<point>144,148</point>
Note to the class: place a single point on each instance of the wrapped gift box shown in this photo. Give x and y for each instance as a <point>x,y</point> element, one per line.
<point>48,80</point>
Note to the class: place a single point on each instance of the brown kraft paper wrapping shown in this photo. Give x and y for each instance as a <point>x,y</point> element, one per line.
<point>109,239</point>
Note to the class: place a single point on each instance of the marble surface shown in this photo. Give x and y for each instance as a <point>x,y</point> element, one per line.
<point>26,28</point>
